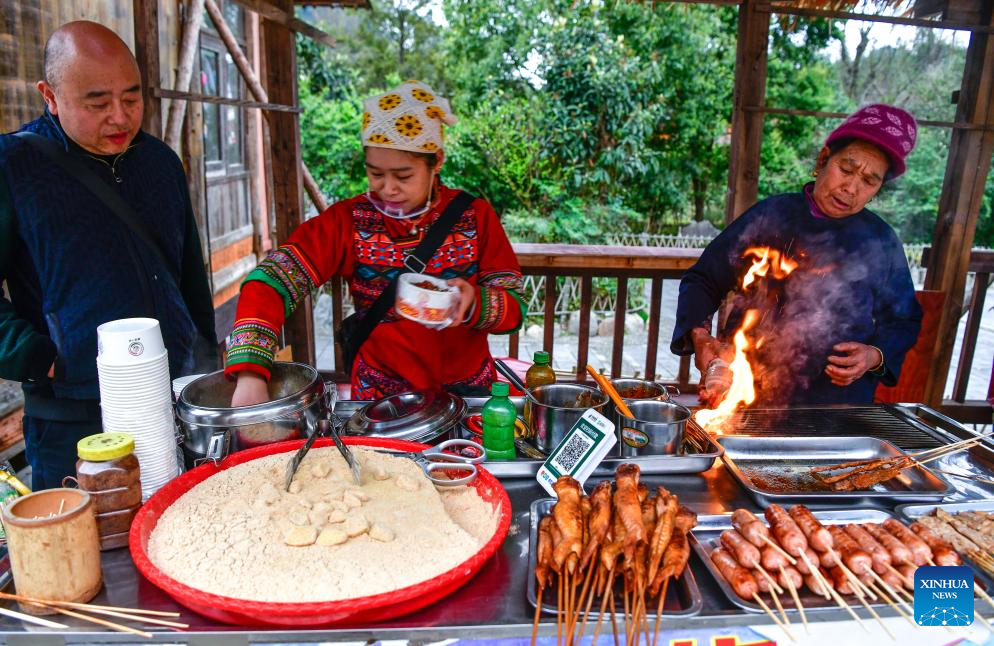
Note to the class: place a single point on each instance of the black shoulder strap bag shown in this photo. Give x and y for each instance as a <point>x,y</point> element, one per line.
<point>355,329</point>
<point>85,175</point>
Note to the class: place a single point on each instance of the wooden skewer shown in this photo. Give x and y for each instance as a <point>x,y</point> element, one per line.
<point>659,610</point>
<point>610,391</point>
<point>797,600</point>
<point>983,621</point>
<point>880,621</point>
<point>607,591</point>
<point>628,630</point>
<point>144,620</point>
<point>782,625</point>
<point>766,575</point>
<point>779,549</point>
<point>842,604</point>
<point>890,590</point>
<point>590,600</point>
<point>62,505</point>
<point>88,606</point>
<point>986,597</point>
<point>859,587</point>
<point>102,622</point>
<point>559,608</point>
<point>888,601</point>
<point>816,572</point>
<point>538,611</point>
<point>776,602</point>
<point>614,619</point>
<point>31,619</point>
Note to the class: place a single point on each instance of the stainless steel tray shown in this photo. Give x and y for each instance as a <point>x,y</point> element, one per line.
<point>691,461</point>
<point>683,597</point>
<point>914,512</point>
<point>704,538</point>
<point>760,462</point>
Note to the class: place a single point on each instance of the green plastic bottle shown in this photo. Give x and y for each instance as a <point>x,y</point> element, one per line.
<point>499,416</point>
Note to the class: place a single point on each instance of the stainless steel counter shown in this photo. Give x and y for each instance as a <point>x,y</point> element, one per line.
<point>491,605</point>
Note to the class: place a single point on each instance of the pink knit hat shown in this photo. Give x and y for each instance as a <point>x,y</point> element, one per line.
<point>891,129</point>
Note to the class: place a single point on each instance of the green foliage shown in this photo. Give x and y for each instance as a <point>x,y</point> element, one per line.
<point>579,119</point>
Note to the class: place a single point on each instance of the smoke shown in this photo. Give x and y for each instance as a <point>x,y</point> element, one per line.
<point>827,300</point>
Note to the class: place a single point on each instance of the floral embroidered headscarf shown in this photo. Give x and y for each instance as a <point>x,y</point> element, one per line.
<point>408,117</point>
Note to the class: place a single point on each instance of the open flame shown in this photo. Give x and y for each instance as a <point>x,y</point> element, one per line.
<point>766,261</point>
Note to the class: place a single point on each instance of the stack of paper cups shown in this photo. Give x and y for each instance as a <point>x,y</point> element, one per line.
<point>136,395</point>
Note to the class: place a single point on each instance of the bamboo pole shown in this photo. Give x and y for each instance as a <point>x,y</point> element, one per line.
<point>257,91</point>
<point>184,70</point>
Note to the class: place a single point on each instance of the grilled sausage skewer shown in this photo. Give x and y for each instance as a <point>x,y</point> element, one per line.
<point>921,554</point>
<point>898,552</point>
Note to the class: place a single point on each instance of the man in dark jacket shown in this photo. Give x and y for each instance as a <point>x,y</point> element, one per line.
<point>70,263</point>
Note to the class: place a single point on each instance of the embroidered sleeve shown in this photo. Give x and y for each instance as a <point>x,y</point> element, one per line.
<point>252,346</point>
<point>499,307</point>
<point>317,250</point>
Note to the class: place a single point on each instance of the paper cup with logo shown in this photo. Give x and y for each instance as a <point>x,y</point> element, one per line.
<point>425,299</point>
<point>129,341</point>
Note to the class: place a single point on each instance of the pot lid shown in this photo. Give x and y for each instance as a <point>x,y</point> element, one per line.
<point>418,415</point>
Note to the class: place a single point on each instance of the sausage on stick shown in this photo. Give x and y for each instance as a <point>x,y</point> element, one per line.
<point>920,552</point>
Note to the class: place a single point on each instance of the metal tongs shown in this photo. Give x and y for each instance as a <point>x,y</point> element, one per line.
<point>324,428</point>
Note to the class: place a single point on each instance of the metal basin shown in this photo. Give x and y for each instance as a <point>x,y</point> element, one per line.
<point>657,429</point>
<point>212,428</point>
<point>557,407</point>
<point>419,416</point>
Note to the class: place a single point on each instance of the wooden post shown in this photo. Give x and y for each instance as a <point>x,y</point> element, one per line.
<point>147,55</point>
<point>747,126</point>
<point>967,167</point>
<point>284,129</point>
<point>184,70</point>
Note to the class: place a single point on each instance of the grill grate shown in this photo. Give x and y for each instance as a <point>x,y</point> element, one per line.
<point>878,421</point>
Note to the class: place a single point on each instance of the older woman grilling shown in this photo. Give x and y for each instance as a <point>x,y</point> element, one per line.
<point>841,322</point>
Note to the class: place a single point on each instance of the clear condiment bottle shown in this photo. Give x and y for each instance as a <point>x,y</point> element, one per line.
<point>541,372</point>
<point>108,470</point>
<point>499,415</point>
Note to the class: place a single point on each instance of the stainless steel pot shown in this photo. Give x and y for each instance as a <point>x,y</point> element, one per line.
<point>212,428</point>
<point>555,410</point>
<point>418,416</point>
<point>628,388</point>
<point>657,429</point>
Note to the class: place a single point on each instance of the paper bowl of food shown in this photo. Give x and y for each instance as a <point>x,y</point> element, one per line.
<point>425,299</point>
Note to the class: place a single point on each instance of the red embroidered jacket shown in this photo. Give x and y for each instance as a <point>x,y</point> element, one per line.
<point>353,240</point>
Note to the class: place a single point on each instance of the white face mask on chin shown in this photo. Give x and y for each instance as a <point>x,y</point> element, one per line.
<point>400,213</point>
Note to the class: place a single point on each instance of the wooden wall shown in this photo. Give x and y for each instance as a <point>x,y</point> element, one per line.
<point>25,26</point>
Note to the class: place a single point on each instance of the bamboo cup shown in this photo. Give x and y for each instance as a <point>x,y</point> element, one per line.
<point>54,547</point>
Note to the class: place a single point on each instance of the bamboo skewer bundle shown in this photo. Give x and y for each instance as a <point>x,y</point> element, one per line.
<point>76,610</point>
<point>638,535</point>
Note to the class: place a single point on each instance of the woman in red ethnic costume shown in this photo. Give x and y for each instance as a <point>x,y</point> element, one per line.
<point>365,239</point>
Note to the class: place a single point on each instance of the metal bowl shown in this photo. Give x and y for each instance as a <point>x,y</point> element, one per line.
<point>657,429</point>
<point>418,416</point>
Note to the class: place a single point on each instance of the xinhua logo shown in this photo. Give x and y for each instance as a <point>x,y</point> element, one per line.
<point>944,595</point>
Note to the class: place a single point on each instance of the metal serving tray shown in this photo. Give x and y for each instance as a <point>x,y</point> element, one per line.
<point>693,460</point>
<point>760,463</point>
<point>683,597</point>
<point>705,537</point>
<point>914,512</point>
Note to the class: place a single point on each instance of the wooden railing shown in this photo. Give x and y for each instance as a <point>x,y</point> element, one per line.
<point>587,262</point>
<point>977,411</point>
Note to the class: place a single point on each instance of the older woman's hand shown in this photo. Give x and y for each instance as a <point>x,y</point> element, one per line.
<point>852,362</point>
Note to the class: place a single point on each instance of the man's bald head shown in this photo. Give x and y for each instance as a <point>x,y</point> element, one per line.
<point>77,41</point>
<point>92,87</point>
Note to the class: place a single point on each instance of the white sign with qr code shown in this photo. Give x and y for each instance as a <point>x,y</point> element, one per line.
<point>580,452</point>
